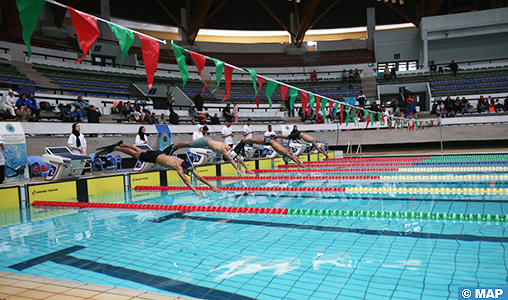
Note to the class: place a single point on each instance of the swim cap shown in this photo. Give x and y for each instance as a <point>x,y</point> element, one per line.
<point>232,154</point>
<point>186,165</point>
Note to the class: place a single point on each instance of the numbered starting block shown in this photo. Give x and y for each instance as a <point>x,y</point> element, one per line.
<point>142,166</point>
<point>303,148</point>
<point>64,164</point>
<point>203,156</point>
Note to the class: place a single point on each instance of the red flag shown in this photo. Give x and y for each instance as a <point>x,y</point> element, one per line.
<point>199,61</point>
<point>368,118</point>
<point>283,91</point>
<point>228,76</point>
<point>86,29</point>
<point>318,105</point>
<point>260,83</point>
<point>150,51</point>
<point>341,113</point>
<point>330,108</point>
<point>305,102</point>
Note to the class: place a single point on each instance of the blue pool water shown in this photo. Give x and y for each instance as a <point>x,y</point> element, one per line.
<point>243,256</point>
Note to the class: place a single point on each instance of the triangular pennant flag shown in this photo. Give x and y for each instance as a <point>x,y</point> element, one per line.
<point>29,11</point>
<point>293,94</point>
<point>323,107</point>
<point>150,51</point>
<point>379,118</point>
<point>254,81</point>
<point>312,103</point>
<point>283,91</point>
<point>341,113</point>
<point>219,68</point>
<point>261,80</point>
<point>305,101</point>
<point>330,107</point>
<point>371,118</point>
<point>199,61</point>
<point>228,75</point>
<point>86,29</point>
<point>125,38</point>
<point>318,105</point>
<point>336,109</point>
<point>368,117</point>
<point>270,88</point>
<point>348,109</point>
<point>354,114</point>
<point>182,66</point>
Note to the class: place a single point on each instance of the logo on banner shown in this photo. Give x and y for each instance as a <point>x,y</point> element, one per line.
<point>165,139</point>
<point>483,293</point>
<point>10,128</point>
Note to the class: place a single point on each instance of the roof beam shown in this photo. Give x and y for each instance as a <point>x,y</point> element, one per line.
<point>304,25</point>
<point>198,18</point>
<point>166,10</point>
<point>434,8</point>
<point>276,18</point>
<point>59,12</point>
<point>323,13</point>
<point>400,13</point>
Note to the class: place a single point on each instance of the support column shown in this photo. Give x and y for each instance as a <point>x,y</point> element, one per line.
<point>183,39</point>
<point>424,55</point>
<point>371,27</point>
<point>106,15</point>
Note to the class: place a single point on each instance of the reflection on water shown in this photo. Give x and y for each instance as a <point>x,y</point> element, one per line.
<point>249,266</point>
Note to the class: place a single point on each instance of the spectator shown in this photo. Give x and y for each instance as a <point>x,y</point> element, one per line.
<point>227,134</point>
<point>457,105</point>
<point>313,77</point>
<point>433,69</point>
<point>506,104</point>
<point>290,110</point>
<point>31,103</point>
<point>2,161</point>
<point>8,103</point>
<point>481,107</point>
<point>407,93</point>
<point>127,109</point>
<point>386,73</point>
<point>93,115</point>
<point>344,76</point>
<point>247,130</point>
<point>162,120</point>
<point>192,110</point>
<point>361,99</point>
<point>235,112</point>
<point>66,114</point>
<point>152,119</point>
<point>319,119</point>
<point>433,110</point>
<point>215,119</point>
<point>21,101</point>
<point>411,108</point>
<point>226,111</point>
<point>401,97</point>
<point>78,115</point>
<point>169,98</point>
<point>358,78</point>
<point>498,106</point>
<point>198,101</point>
<point>119,108</point>
<point>395,107</point>
<point>173,117</point>
<point>208,120</point>
<point>199,132</point>
<point>491,101</point>
<point>83,104</point>
<point>270,132</point>
<point>77,141</point>
<point>465,104</point>
<point>454,67</point>
<point>141,137</point>
<point>351,76</point>
<point>393,73</point>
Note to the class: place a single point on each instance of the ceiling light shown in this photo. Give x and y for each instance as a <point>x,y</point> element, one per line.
<point>401,2</point>
<point>394,1</point>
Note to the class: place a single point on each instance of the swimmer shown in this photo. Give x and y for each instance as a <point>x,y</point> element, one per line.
<point>295,135</point>
<point>181,166</point>
<point>215,146</point>
<point>270,141</point>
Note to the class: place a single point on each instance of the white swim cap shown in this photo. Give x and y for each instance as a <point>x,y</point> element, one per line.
<point>232,153</point>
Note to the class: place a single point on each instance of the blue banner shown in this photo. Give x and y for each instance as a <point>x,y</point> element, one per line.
<point>350,100</point>
<point>498,292</point>
<point>164,136</point>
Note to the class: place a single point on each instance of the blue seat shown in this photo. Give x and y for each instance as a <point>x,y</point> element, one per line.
<point>99,164</point>
<point>37,167</point>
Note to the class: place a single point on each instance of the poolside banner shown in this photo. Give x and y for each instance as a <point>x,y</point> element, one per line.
<point>164,136</point>
<point>350,100</point>
<point>13,136</point>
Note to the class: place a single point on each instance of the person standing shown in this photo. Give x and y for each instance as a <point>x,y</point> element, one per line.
<point>93,114</point>
<point>196,135</point>
<point>8,103</point>
<point>141,137</point>
<point>235,112</point>
<point>226,111</point>
<point>247,129</point>
<point>270,132</point>
<point>361,99</point>
<point>2,161</point>
<point>386,73</point>
<point>173,117</point>
<point>454,67</point>
<point>77,141</point>
<point>198,101</point>
<point>227,134</point>
<point>313,77</point>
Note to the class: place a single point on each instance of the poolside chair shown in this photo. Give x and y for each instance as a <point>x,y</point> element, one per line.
<point>37,167</point>
<point>99,164</point>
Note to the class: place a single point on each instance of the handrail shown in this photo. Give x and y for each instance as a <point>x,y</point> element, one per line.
<point>349,147</point>
<point>359,149</point>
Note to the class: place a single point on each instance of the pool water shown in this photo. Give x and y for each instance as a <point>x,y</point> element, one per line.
<point>245,256</point>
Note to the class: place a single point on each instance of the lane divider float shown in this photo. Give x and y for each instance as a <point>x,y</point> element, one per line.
<point>282,211</point>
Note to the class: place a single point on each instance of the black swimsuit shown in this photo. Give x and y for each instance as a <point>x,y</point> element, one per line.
<point>150,156</point>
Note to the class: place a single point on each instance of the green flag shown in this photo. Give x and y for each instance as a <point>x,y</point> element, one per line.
<point>182,66</point>
<point>270,88</point>
<point>254,81</point>
<point>125,38</point>
<point>29,11</point>
<point>323,107</point>
<point>293,94</point>
<point>348,109</point>
<point>353,115</point>
<point>371,118</point>
<point>219,68</point>
<point>312,103</point>
<point>379,117</point>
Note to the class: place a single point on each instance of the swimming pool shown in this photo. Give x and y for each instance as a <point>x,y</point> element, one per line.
<point>295,256</point>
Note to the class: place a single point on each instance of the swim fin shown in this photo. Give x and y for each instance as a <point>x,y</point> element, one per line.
<point>107,149</point>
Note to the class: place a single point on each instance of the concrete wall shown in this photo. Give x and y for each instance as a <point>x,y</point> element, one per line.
<point>405,42</point>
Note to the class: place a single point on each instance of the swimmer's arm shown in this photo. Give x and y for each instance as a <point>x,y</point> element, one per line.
<point>232,162</point>
<point>277,136</point>
<point>247,170</point>
<point>200,178</point>
<point>187,182</point>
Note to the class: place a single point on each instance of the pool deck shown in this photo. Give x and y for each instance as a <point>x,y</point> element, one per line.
<point>26,287</point>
